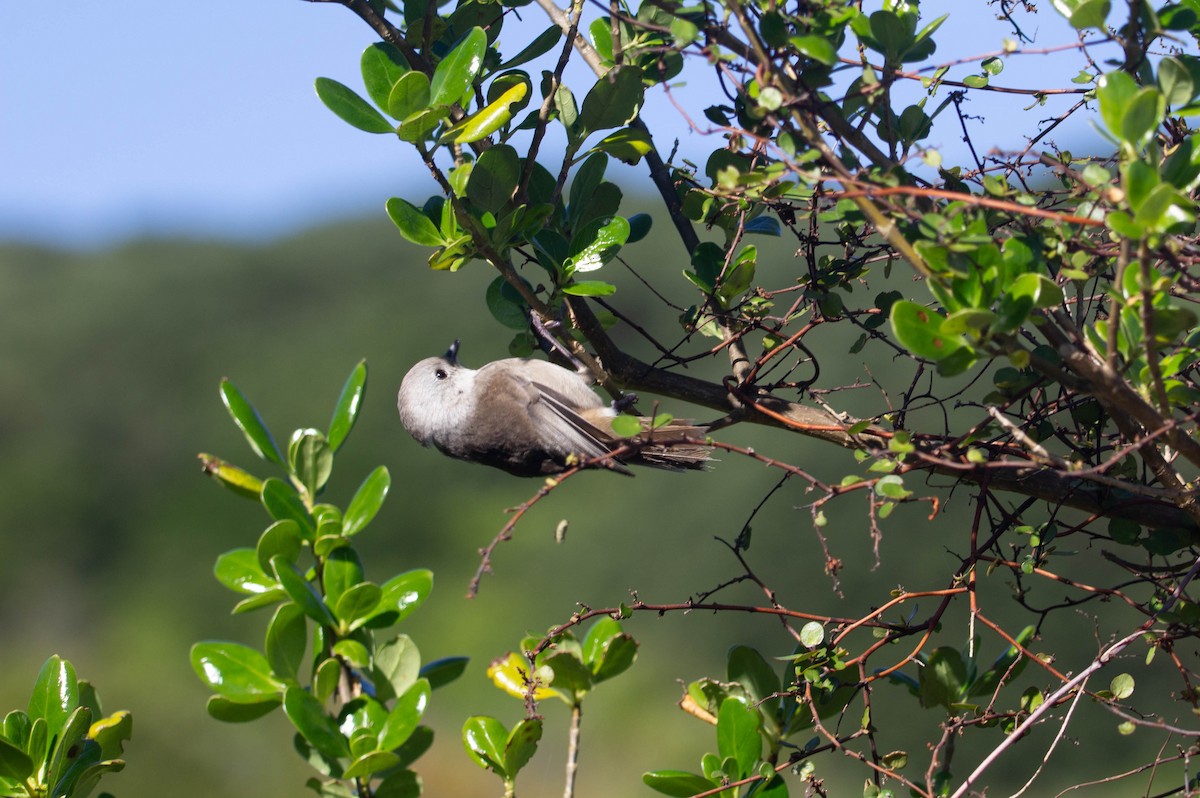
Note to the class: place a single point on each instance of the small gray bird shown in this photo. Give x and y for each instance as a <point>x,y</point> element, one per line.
<point>529,418</point>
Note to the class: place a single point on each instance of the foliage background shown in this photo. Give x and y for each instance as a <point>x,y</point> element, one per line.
<point>109,530</point>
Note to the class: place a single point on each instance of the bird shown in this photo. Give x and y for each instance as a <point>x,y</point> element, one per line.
<point>532,418</point>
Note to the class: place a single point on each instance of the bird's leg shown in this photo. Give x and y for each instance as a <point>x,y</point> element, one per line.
<point>550,344</point>
<point>624,403</point>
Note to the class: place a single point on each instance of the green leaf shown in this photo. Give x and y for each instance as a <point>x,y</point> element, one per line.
<point>250,423</point>
<point>402,595</point>
<point>404,716</point>
<point>310,459</point>
<point>358,604</point>
<point>397,667</point>
<point>345,412</point>
<point>485,739</point>
<point>589,288</point>
<point>678,783</point>
<point>408,97</point>
<point>15,764</point>
<point>738,737</point>
<point>613,102</point>
<point>453,76</point>
<point>442,671</point>
<point>283,504</point>
<point>748,668</point>
<point>399,784</point>
<point>351,108</point>
<point>943,678</point>
<point>521,745</point>
<point>227,711</point>
<point>236,479</point>
<point>413,225</point>
<point>342,570</point>
<point>55,695</point>
<point>112,732</point>
<point>1040,289</point>
<point>1142,115</point>
<point>488,119</point>
<point>239,571</point>
<point>382,65</point>
<point>494,178</point>
<point>629,144</point>
<point>236,672</point>
<point>281,537</point>
<point>639,226</point>
<point>544,42</point>
<point>1114,91</point>
<point>817,48</point>
<point>314,723</point>
<point>303,592</point>
<point>1090,14</point>
<point>1121,686</point>
<point>597,243</point>
<point>287,639</point>
<point>367,501</point>
<point>371,763</point>
<point>919,330</point>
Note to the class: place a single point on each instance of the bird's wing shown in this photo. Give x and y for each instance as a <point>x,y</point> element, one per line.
<point>569,431</point>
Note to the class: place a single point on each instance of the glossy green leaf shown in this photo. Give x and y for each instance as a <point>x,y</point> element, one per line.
<point>488,119</point>
<point>358,604</point>
<point>737,735</point>
<point>639,226</point>
<point>351,108</point>
<point>227,711</point>
<point>112,732</point>
<point>14,763</point>
<point>919,330</point>
<point>283,503</point>
<point>494,178</point>
<point>345,412</point>
<point>250,423</point>
<point>541,45</point>
<point>341,571</point>
<point>397,667</point>
<point>73,754</point>
<point>409,96</point>
<point>485,739</point>
<point>402,594</point>
<point>399,784</point>
<point>367,501</point>
<point>280,538</point>
<point>442,671</point>
<point>239,571</point>
<point>417,127</point>
<point>589,288</point>
<point>1143,113</point>
<point>310,459</point>
<point>371,763</point>
<point>314,723</point>
<point>382,66</point>
<point>301,591</point>
<point>456,72</point>
<point>404,716</point>
<point>287,640</point>
<point>678,783</point>
<point>521,745</point>
<point>413,225</point>
<point>597,244</point>
<point>260,600</point>
<point>1176,82</point>
<point>55,694</point>
<point>613,101</point>
<point>1041,290</point>
<point>747,667</point>
<point>629,144</point>
<point>238,480</point>
<point>234,671</point>
<point>1114,91</point>
<point>943,678</point>
<point>505,304</point>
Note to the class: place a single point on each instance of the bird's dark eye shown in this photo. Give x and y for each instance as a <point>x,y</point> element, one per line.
<point>440,374</point>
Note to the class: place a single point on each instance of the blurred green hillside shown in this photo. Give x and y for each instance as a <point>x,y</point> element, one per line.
<point>108,389</point>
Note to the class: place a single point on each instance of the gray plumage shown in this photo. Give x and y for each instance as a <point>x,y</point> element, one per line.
<point>527,417</point>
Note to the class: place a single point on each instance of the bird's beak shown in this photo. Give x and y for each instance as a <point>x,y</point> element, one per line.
<point>452,353</point>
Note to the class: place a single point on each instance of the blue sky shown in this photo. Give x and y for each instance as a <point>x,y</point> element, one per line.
<point>123,118</point>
